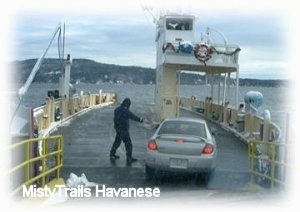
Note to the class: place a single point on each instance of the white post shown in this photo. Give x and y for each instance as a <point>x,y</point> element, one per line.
<point>100,96</point>
<point>224,89</point>
<point>237,89</point>
<point>61,85</point>
<point>219,89</point>
<point>206,85</point>
<point>211,85</point>
<point>66,82</point>
<point>228,86</point>
<point>266,128</point>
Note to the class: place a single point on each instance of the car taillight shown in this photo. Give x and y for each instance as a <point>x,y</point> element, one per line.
<point>180,140</point>
<point>152,145</point>
<point>208,149</point>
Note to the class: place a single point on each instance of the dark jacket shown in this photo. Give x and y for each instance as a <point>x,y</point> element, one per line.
<point>122,114</point>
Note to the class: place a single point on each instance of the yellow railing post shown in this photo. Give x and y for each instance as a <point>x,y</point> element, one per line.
<point>27,157</point>
<point>251,150</point>
<point>30,159</point>
<point>272,161</point>
<point>59,156</point>
<point>43,162</point>
<point>273,175</point>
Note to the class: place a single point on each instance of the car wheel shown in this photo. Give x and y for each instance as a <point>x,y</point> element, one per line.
<point>203,178</point>
<point>150,173</point>
<point>208,176</point>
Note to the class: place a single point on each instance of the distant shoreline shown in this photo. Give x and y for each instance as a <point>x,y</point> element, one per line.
<point>89,71</point>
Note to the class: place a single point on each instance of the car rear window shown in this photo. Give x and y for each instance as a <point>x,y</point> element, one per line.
<point>183,127</point>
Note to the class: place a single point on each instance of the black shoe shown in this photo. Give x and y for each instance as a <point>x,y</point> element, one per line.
<point>134,160</point>
<point>131,160</point>
<point>113,158</point>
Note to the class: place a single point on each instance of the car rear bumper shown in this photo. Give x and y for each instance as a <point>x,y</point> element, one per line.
<point>188,164</point>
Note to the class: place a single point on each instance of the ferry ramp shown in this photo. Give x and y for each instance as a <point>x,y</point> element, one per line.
<point>88,139</point>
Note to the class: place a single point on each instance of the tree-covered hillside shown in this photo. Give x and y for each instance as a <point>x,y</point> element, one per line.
<point>89,71</point>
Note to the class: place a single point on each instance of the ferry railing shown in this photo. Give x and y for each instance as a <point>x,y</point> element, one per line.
<point>59,109</point>
<point>269,164</point>
<point>246,126</point>
<point>35,166</point>
<point>268,157</point>
<point>38,160</point>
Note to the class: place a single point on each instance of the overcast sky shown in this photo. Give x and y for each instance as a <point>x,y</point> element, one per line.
<point>123,33</point>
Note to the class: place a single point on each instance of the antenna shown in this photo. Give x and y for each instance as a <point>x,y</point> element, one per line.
<point>149,9</point>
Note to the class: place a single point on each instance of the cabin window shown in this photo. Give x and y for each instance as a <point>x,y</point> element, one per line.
<point>179,24</point>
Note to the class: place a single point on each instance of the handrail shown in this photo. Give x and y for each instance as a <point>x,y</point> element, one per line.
<point>268,164</point>
<point>35,156</point>
<point>229,117</point>
<point>46,115</point>
<point>27,164</point>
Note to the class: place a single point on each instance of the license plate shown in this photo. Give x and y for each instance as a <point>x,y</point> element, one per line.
<point>178,163</point>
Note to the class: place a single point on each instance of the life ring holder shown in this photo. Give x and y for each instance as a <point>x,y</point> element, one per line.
<point>202,52</point>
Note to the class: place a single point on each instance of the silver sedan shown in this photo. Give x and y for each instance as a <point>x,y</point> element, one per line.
<point>181,145</point>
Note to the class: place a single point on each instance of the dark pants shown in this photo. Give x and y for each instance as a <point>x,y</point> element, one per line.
<point>125,137</point>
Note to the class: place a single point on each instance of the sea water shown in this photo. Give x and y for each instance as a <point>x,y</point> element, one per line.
<point>276,99</point>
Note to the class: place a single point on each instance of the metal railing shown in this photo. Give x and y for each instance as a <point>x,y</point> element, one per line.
<point>250,125</point>
<point>269,163</point>
<point>64,107</point>
<point>35,161</point>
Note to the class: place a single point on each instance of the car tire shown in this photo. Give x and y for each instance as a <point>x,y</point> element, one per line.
<point>150,173</point>
<point>203,178</point>
<point>208,176</point>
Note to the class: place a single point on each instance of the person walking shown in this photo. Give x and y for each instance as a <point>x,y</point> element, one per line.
<point>122,114</point>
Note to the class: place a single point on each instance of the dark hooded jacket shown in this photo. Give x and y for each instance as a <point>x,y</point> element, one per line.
<point>122,114</point>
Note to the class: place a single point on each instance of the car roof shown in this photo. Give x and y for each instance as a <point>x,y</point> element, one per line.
<point>200,120</point>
